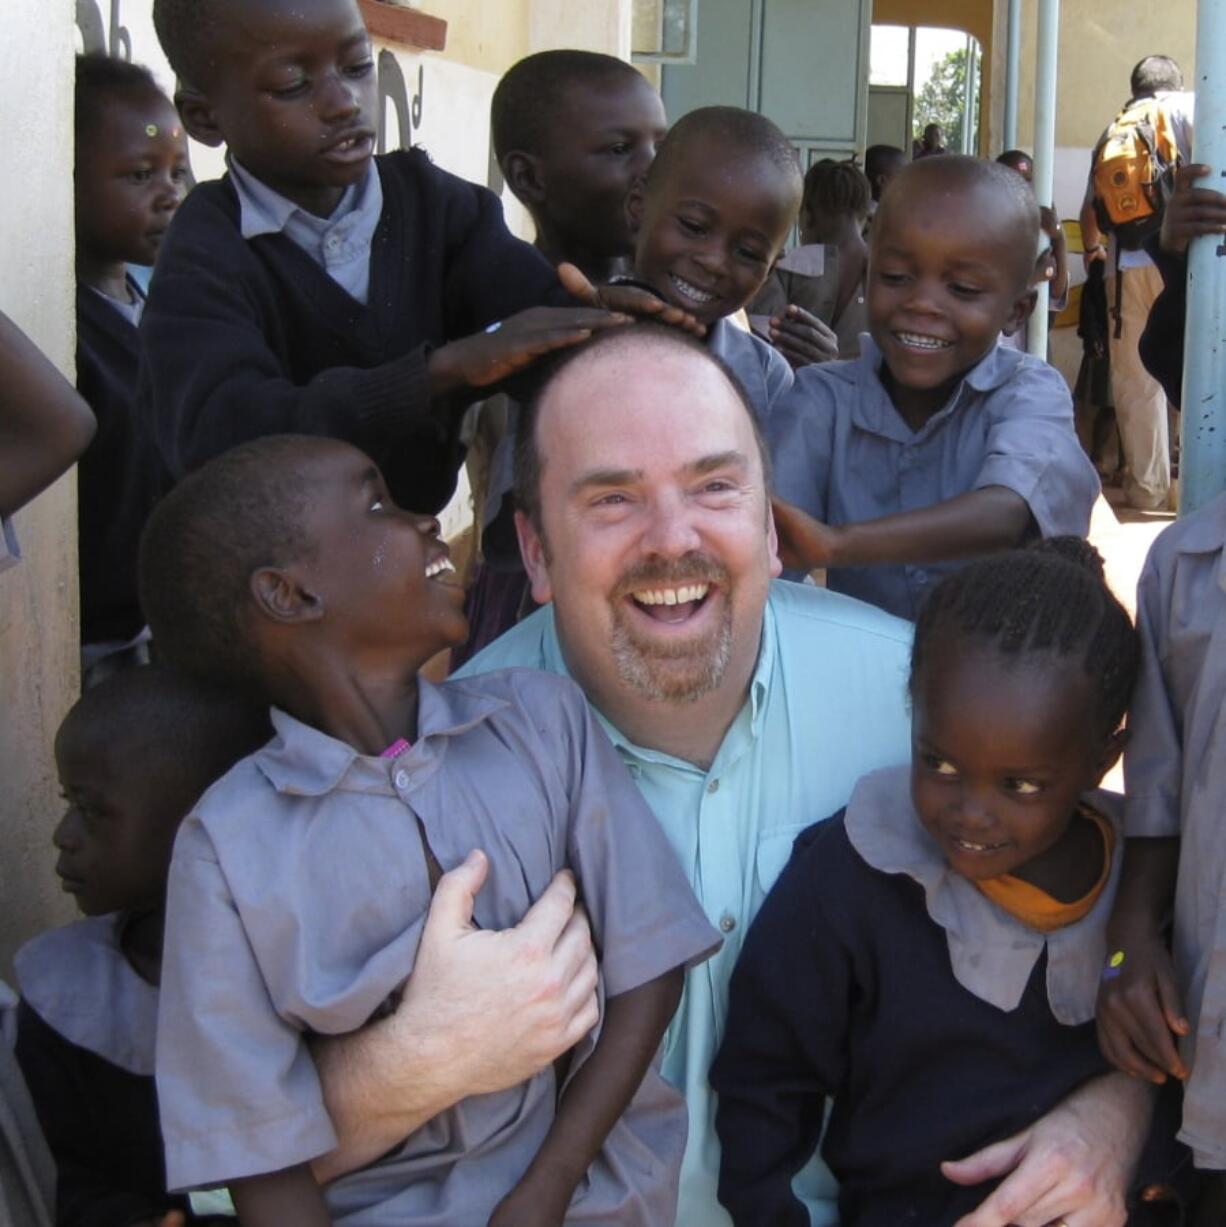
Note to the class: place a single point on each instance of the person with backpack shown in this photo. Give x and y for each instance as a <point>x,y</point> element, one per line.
<point>1131,177</point>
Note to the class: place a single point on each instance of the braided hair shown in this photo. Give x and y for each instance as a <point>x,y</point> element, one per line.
<point>1051,599</point>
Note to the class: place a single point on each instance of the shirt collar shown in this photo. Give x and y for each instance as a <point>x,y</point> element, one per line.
<point>874,410</point>
<point>305,761</point>
<point>265,211</point>
<point>992,955</point>
<point>554,661</point>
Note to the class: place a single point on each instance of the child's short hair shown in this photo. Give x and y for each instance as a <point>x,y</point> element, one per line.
<point>186,30</point>
<point>531,95</point>
<point>1015,159</point>
<point>183,732</point>
<point>737,130</point>
<point>1050,599</point>
<point>1153,74</point>
<point>836,189</point>
<point>246,509</point>
<point>101,78</point>
<point>878,158</point>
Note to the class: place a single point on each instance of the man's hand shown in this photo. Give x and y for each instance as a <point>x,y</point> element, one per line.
<point>1191,211</point>
<point>628,300</point>
<point>1140,1011</point>
<point>1074,1164</point>
<point>804,543</point>
<point>802,338</point>
<point>487,357</point>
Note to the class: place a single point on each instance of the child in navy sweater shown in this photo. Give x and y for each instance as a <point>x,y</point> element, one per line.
<point>317,289</point>
<point>930,956</point>
<point>133,756</point>
<point>131,176</point>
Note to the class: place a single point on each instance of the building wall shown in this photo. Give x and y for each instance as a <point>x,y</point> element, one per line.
<point>445,104</point>
<point>38,598</point>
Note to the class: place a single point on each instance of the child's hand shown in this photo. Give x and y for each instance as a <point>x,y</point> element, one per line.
<point>1191,211</point>
<point>1049,223</point>
<point>802,338</point>
<point>532,1203</point>
<point>486,357</point>
<point>804,543</point>
<point>1140,1011</point>
<point>628,299</point>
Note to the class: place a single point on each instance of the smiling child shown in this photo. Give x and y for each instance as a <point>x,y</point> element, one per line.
<point>929,957</point>
<point>300,885</point>
<point>131,175</point>
<point>937,444</point>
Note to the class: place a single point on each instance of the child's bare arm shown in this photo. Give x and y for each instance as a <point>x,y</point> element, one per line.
<point>44,424</point>
<point>597,1095</point>
<point>276,1199</point>
<point>1140,1009</point>
<point>978,522</point>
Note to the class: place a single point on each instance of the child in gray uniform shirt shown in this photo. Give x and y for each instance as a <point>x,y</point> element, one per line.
<point>936,445</point>
<point>300,883</point>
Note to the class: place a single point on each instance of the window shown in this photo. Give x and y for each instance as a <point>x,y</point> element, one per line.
<point>665,31</point>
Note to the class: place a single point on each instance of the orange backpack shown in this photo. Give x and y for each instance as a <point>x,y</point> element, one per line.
<point>1134,172</point>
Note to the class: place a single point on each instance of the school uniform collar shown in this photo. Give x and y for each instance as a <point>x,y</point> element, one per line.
<point>265,211</point>
<point>306,762</point>
<point>78,980</point>
<point>750,717</point>
<point>873,410</point>
<point>992,955</point>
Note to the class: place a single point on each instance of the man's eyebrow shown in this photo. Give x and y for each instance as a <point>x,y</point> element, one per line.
<point>717,460</point>
<point>595,478</point>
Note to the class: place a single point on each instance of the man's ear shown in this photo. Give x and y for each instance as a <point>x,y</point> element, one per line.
<point>281,597</point>
<point>525,177</point>
<point>196,111</point>
<point>772,541</point>
<point>1020,313</point>
<point>532,550</point>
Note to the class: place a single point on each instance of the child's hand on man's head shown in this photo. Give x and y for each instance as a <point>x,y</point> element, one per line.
<point>802,338</point>
<point>1140,1011</point>
<point>627,299</point>
<point>508,346</point>
<point>1191,211</point>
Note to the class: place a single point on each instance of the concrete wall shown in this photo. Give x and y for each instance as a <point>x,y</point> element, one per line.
<point>38,598</point>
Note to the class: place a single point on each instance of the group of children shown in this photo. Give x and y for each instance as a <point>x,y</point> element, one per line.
<point>318,326</point>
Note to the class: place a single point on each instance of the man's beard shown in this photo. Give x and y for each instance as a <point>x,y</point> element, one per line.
<point>683,670</point>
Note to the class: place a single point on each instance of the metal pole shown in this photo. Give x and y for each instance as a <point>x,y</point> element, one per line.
<point>1013,71</point>
<point>1202,463</point>
<point>1046,56</point>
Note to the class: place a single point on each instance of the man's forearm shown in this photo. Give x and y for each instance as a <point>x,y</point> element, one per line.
<point>979,522</point>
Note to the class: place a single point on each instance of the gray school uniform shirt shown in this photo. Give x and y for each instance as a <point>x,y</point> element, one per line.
<point>298,892</point>
<point>843,453</point>
<point>1175,775</point>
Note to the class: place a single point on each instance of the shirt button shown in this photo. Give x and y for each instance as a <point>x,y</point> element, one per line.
<point>713,786</point>
<point>401,779</point>
<point>727,922</point>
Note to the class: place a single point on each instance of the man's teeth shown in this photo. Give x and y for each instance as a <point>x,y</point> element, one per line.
<point>921,342</point>
<point>691,292</point>
<point>672,596</point>
<point>438,566</point>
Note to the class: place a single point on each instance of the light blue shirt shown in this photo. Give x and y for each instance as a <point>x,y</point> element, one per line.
<point>339,244</point>
<point>843,453</point>
<point>826,704</point>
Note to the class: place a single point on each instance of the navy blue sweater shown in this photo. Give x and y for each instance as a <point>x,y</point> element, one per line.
<point>118,478</point>
<point>244,338</point>
<point>844,988</point>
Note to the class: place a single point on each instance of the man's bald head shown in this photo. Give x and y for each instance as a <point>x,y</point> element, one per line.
<point>998,205</point>
<point>631,347</point>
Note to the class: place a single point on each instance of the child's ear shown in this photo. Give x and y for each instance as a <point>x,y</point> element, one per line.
<point>281,597</point>
<point>197,114</point>
<point>634,209</point>
<point>524,177</point>
<point>532,550</point>
<point>1020,313</point>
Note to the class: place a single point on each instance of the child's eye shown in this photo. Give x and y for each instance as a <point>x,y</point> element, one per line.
<point>1022,788</point>
<point>938,765</point>
<point>294,90</point>
<point>139,176</point>
<point>690,226</point>
<point>620,149</point>
<point>966,291</point>
<point>891,278</point>
<point>179,174</point>
<point>748,253</point>
<point>362,69</point>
